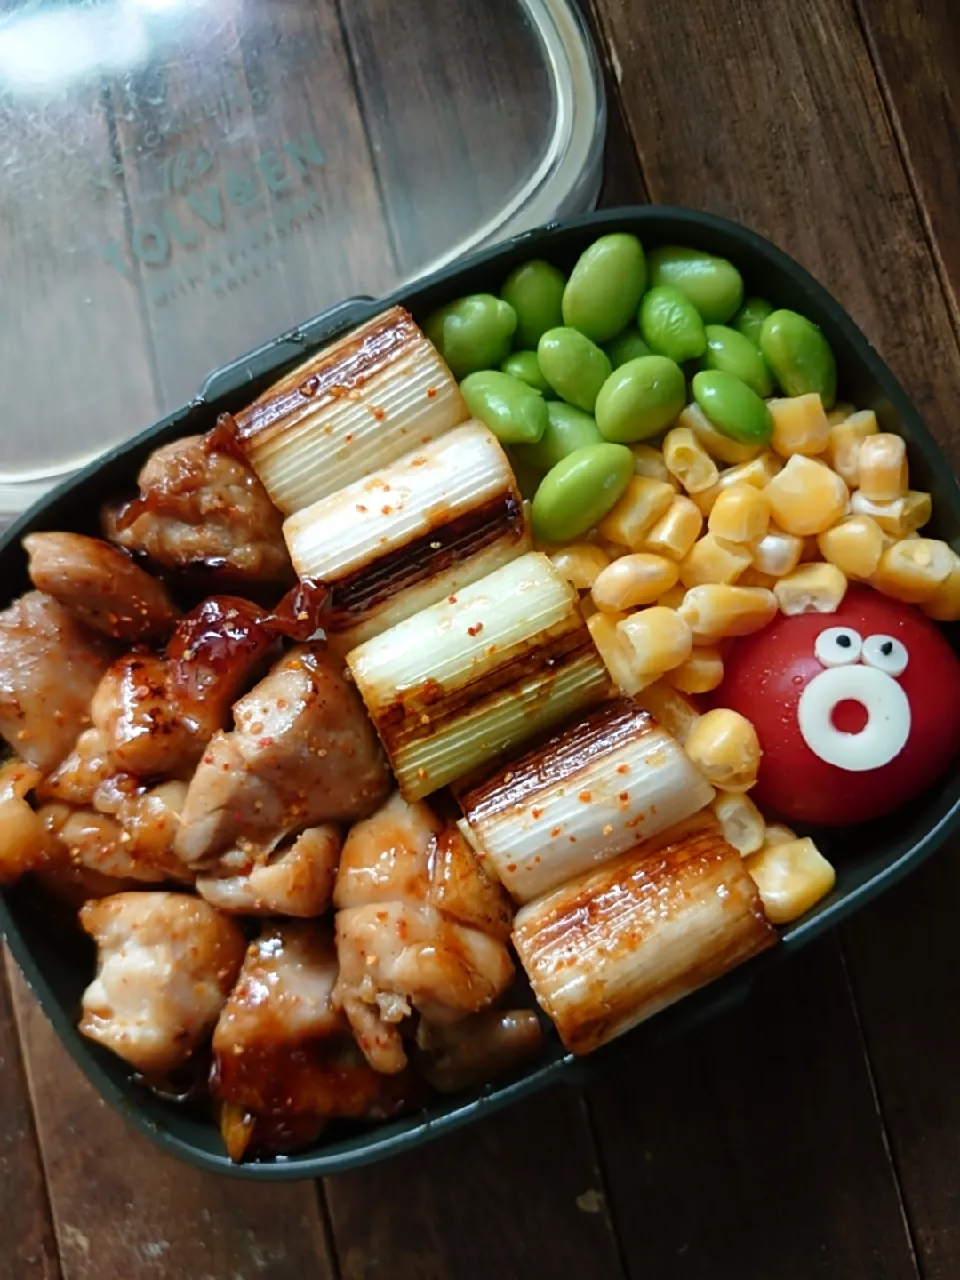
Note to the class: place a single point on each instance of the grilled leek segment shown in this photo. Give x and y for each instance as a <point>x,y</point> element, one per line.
<point>391,544</point>
<point>605,783</point>
<point>357,405</point>
<point>479,673</point>
<point>609,950</point>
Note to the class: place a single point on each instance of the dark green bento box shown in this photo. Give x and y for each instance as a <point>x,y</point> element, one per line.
<point>868,859</point>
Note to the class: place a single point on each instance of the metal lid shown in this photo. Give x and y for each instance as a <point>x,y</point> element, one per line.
<point>184,179</point>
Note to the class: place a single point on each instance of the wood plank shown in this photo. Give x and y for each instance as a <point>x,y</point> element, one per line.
<point>27,1245</point>
<point>518,1194</point>
<point>123,1209</point>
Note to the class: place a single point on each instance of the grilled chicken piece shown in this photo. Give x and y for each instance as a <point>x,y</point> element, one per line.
<point>478,1049</point>
<point>199,509</point>
<point>101,585</point>
<point>296,879</point>
<point>80,774</point>
<point>386,858</point>
<point>71,887</point>
<point>460,887</point>
<point>50,665</point>
<point>25,843</point>
<point>143,731</point>
<point>166,964</point>
<point>303,753</point>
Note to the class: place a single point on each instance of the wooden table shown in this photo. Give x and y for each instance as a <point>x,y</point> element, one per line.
<point>816,1132</point>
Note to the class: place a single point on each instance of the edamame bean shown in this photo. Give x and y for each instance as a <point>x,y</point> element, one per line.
<point>731,352</point>
<point>627,345</point>
<point>605,287</point>
<point>473,332</point>
<point>671,325</point>
<point>525,366</point>
<point>535,291</point>
<point>568,429</point>
<point>713,285</point>
<point>580,490</point>
<point>799,356</point>
<point>514,412</point>
<point>749,319</point>
<point>640,399</point>
<point>574,366</point>
<point>732,407</point>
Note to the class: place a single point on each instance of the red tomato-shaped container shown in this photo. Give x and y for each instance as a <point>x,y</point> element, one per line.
<point>857,711</point>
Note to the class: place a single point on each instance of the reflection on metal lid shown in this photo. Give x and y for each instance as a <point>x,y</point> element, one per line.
<point>184,179</point>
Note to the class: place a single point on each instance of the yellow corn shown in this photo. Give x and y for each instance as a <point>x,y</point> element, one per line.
<point>944,604</point>
<point>855,546</point>
<point>715,442</point>
<point>740,821</point>
<point>779,833</point>
<point>715,612</point>
<point>791,878</point>
<point>799,425</point>
<point>899,517</point>
<point>884,474</point>
<point>643,503</point>
<point>724,746</point>
<point>840,412</point>
<point>813,588</point>
<point>810,553</point>
<point>713,560</point>
<point>777,553</point>
<point>740,514</point>
<point>648,461</point>
<point>914,569</point>
<point>806,496</point>
<point>755,578</point>
<point>671,599</point>
<point>675,533</point>
<point>580,563</point>
<point>758,472</point>
<point>616,653</point>
<point>843,445</point>
<point>632,581</point>
<point>673,710</point>
<point>702,672</point>
<point>658,638</point>
<point>687,459</point>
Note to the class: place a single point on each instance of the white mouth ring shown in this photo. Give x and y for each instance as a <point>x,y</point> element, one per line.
<point>881,739</point>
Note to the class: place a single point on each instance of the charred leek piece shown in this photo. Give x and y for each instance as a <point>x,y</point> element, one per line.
<point>386,546</point>
<point>360,404</point>
<point>615,947</point>
<point>607,782</point>
<point>456,685</point>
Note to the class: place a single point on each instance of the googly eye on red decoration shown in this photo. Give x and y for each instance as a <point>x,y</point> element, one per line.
<point>857,711</point>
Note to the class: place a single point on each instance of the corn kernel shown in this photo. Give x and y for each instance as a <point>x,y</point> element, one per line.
<point>715,612</point>
<point>632,581</point>
<point>724,746</point>
<point>670,708</point>
<point>741,822</point>
<point>944,604</point>
<point>701,673</point>
<point>855,546</point>
<point>883,467</point>
<point>777,553</point>
<point>758,472</point>
<point>779,833</point>
<point>740,514</point>
<point>806,496</point>
<point>659,638</point>
<point>843,446</point>
<point>719,446</point>
<point>616,653</point>
<point>687,459</point>
<point>754,578</point>
<point>648,461</point>
<point>899,517</point>
<point>914,569</point>
<point>580,563</point>
<point>641,506</point>
<point>799,425</point>
<point>713,560</point>
<point>840,412</point>
<point>675,533</point>
<point>813,588</point>
<point>671,599</point>
<point>791,878</point>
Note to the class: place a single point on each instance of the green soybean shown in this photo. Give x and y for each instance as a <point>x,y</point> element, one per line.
<point>627,345</point>
<point>574,366</point>
<point>640,399</point>
<point>749,319</point>
<point>525,366</point>
<point>514,412</point>
<point>535,291</point>
<point>605,287</point>
<point>473,332</point>
<point>733,408</point>
<point>730,352</point>
<point>799,356</point>
<point>713,285</point>
<point>568,429</point>
<point>671,325</point>
<point>580,490</point>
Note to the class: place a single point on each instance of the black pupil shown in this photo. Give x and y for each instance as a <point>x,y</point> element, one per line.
<point>887,648</point>
<point>844,642</point>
